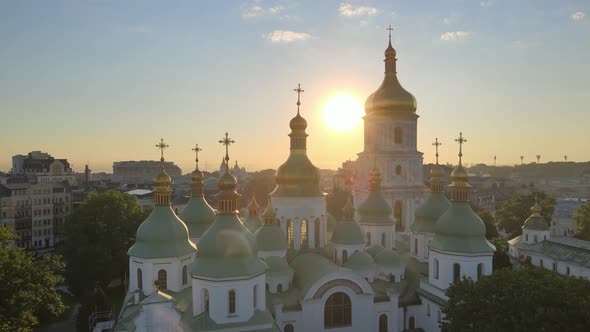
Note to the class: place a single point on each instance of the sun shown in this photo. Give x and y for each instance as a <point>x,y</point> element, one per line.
<point>343,112</point>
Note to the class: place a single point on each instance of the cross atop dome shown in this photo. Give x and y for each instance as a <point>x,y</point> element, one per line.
<point>460,140</point>
<point>162,146</point>
<point>197,149</point>
<point>436,145</point>
<point>227,142</point>
<point>299,91</point>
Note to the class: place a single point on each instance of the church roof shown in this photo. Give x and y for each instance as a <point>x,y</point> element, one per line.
<point>198,216</point>
<point>270,237</point>
<point>348,232</point>
<point>428,213</point>
<point>331,222</point>
<point>309,268</point>
<point>536,223</point>
<point>359,260</point>
<point>389,258</point>
<point>278,266</point>
<point>253,223</point>
<point>374,249</point>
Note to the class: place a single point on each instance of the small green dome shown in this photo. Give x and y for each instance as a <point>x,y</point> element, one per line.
<point>375,210</point>
<point>278,266</point>
<point>359,260</point>
<point>227,249</point>
<point>198,216</point>
<point>161,235</point>
<point>253,222</point>
<point>374,249</point>
<point>348,232</point>
<point>389,258</point>
<point>270,238</point>
<point>428,213</point>
<point>331,223</point>
<point>459,229</point>
<point>298,177</point>
<point>536,223</point>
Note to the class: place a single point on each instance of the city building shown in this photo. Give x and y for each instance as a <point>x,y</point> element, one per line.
<point>141,172</point>
<point>43,167</point>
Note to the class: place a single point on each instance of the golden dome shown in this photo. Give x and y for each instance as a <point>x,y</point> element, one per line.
<point>298,123</point>
<point>459,174</point>
<point>163,179</point>
<point>437,171</point>
<point>227,182</point>
<point>197,176</point>
<point>390,51</point>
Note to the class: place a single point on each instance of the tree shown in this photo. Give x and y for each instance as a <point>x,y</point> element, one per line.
<point>26,286</point>
<point>528,299</point>
<point>512,215</point>
<point>488,221</point>
<point>259,184</point>
<point>582,218</point>
<point>501,259</point>
<point>97,237</point>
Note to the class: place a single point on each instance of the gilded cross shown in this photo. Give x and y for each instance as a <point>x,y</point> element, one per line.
<point>197,149</point>
<point>436,145</point>
<point>460,140</point>
<point>390,29</point>
<point>227,142</point>
<point>162,146</point>
<point>299,90</point>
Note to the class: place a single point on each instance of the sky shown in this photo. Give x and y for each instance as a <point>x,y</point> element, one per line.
<point>103,81</point>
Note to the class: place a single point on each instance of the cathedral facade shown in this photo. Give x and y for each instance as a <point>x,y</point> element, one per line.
<point>207,270</point>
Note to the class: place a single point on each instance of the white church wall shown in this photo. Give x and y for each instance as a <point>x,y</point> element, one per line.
<point>167,318</point>
<point>151,267</point>
<point>468,267</point>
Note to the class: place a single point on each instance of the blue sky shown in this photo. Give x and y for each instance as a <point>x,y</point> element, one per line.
<point>99,81</point>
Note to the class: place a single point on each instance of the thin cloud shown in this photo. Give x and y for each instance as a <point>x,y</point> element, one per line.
<point>578,16</point>
<point>255,9</point>
<point>349,10</point>
<point>286,36</point>
<point>487,3</point>
<point>454,35</point>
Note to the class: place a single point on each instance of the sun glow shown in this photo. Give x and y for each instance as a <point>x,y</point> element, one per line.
<point>343,112</point>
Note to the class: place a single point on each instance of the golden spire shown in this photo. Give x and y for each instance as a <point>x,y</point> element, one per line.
<point>436,172</point>
<point>298,125</point>
<point>375,177</point>
<point>253,207</point>
<point>390,67</point>
<point>460,188</point>
<point>162,193</point>
<point>269,214</point>
<point>536,209</point>
<point>299,91</point>
<point>197,186</point>
<point>227,198</point>
<point>390,29</point>
<point>348,210</point>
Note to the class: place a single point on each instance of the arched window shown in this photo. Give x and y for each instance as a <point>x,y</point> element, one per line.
<point>416,246</point>
<point>435,268</point>
<point>255,296</point>
<point>526,237</point>
<point>337,311</point>
<point>553,267</point>
<point>369,238</point>
<point>567,270</point>
<point>412,323</point>
<point>392,278</point>
<point>541,263</point>
<point>316,233</point>
<point>383,323</point>
<point>232,301</point>
<point>456,272</point>
<point>438,316</point>
<point>535,238</point>
<point>398,214</point>
<point>290,233</point>
<point>162,279</point>
<point>397,135</point>
<point>398,170</point>
<point>267,287</point>
<point>479,270</point>
<point>335,256</point>
<point>206,300</point>
<point>289,328</point>
<point>383,240</point>
<point>344,256</point>
<point>184,275</point>
<point>139,279</point>
<point>428,309</point>
<point>303,229</point>
<point>279,288</point>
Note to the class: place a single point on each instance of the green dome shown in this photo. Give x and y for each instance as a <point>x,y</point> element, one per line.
<point>348,232</point>
<point>536,223</point>
<point>428,213</point>
<point>278,266</point>
<point>298,177</point>
<point>161,235</point>
<point>198,216</point>
<point>227,249</point>
<point>359,260</point>
<point>253,223</point>
<point>459,229</point>
<point>388,257</point>
<point>375,210</point>
<point>331,223</point>
<point>270,238</point>
<point>374,249</point>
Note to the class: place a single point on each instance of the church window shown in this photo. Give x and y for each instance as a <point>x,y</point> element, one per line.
<point>526,237</point>
<point>383,240</point>
<point>412,323</point>
<point>232,301</point>
<point>479,270</point>
<point>535,238</point>
<point>290,233</point>
<point>162,279</point>
<point>335,256</point>
<point>289,328</point>
<point>438,318</point>
<point>544,237</point>
<point>383,323</point>
<point>255,296</point>
<point>541,263</point>
<point>567,270</point>
<point>139,279</point>
<point>344,256</point>
<point>369,238</point>
<point>416,246</point>
<point>206,300</point>
<point>316,233</point>
<point>435,268</point>
<point>428,309</point>
<point>337,311</point>
<point>456,272</point>
<point>184,275</point>
<point>392,278</point>
<point>280,288</point>
<point>398,170</point>
<point>553,267</point>
<point>397,135</point>
<point>303,228</point>
<point>397,214</point>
